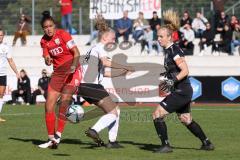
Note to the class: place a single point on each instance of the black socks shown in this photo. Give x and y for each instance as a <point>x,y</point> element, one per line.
<point>197,131</point>
<point>161,129</point>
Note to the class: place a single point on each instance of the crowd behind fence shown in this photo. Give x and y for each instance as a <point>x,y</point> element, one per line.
<point>11,10</point>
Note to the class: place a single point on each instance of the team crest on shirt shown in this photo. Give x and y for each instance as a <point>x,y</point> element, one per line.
<point>57,41</point>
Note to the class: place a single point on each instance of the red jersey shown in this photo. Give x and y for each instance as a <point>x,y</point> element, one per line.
<point>59,48</point>
<point>66,9</point>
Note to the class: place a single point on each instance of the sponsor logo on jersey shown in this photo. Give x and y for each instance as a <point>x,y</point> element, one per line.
<point>57,41</point>
<point>56,51</point>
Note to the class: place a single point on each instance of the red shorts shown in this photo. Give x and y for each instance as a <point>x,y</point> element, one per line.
<point>60,80</point>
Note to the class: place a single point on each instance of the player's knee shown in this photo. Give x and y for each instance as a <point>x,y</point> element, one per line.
<point>118,110</point>
<point>1,95</point>
<point>160,112</point>
<point>115,112</point>
<point>66,98</point>
<point>153,115</point>
<point>49,106</point>
<point>49,109</point>
<point>186,119</point>
<point>100,102</point>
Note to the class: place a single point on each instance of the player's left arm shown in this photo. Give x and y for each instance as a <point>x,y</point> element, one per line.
<point>71,45</point>
<point>182,64</point>
<point>76,57</point>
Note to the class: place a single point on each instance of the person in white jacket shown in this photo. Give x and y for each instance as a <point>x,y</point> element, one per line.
<point>187,38</point>
<point>199,24</point>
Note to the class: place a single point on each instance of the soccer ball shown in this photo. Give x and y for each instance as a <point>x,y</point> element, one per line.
<point>75,113</point>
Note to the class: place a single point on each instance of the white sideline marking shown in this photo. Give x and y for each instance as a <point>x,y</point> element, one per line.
<point>131,110</point>
<point>193,109</point>
<point>19,114</point>
<point>216,109</point>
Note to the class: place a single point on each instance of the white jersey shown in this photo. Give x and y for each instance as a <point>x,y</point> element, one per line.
<point>92,67</point>
<point>4,55</point>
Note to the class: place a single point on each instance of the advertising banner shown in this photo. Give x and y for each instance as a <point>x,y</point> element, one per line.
<point>113,9</point>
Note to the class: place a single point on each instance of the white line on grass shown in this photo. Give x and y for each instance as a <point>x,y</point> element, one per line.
<point>215,109</point>
<point>134,110</point>
<point>19,114</point>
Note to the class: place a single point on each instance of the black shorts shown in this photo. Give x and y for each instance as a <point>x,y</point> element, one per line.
<point>3,80</point>
<point>91,92</point>
<point>178,101</point>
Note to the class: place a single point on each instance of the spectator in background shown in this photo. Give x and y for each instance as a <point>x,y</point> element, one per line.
<point>186,19</point>
<point>147,41</point>
<point>198,24</point>
<point>154,21</point>
<point>155,40</point>
<point>94,34</point>
<point>187,39</point>
<point>66,12</point>
<point>138,26</point>
<point>233,22</point>
<point>42,86</point>
<point>207,38</point>
<point>222,21</point>
<point>23,89</point>
<point>123,27</point>
<point>155,36</point>
<point>236,38</point>
<point>22,30</point>
<point>227,39</point>
<point>218,6</point>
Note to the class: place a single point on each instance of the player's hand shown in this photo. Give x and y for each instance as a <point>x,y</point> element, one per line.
<point>165,87</point>
<point>21,92</point>
<point>72,69</point>
<point>48,60</point>
<point>42,92</point>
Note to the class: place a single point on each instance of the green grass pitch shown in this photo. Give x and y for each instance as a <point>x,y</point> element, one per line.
<point>25,128</point>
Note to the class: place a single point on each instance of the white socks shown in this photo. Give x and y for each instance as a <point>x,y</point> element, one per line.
<point>1,104</point>
<point>113,128</point>
<point>104,122</point>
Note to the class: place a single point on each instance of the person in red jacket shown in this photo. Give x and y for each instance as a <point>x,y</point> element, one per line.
<point>59,50</point>
<point>66,12</point>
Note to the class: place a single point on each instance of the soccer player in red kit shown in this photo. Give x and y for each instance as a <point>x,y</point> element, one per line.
<point>60,50</point>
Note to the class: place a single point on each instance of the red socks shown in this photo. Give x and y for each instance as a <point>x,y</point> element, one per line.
<point>61,125</point>
<point>62,117</point>
<point>50,122</point>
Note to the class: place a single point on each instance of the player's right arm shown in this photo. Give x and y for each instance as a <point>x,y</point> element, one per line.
<point>115,73</point>
<point>108,63</point>
<point>48,60</point>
